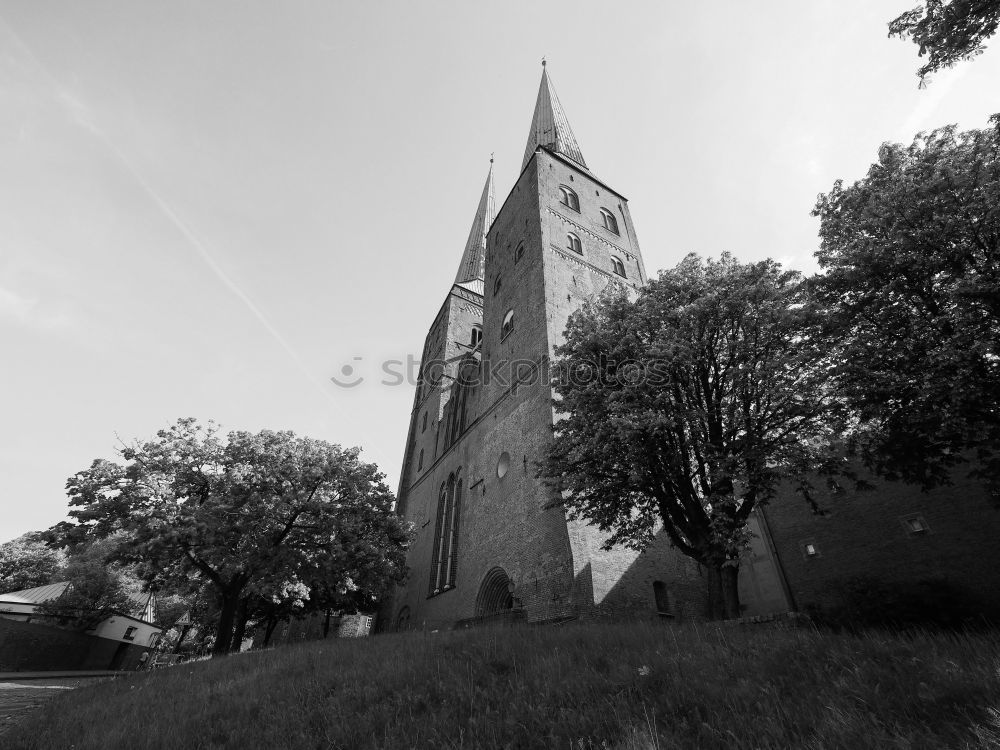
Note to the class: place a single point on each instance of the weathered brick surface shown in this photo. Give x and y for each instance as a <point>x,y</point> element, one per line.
<point>315,627</point>
<point>30,646</point>
<point>864,535</point>
<point>557,567</point>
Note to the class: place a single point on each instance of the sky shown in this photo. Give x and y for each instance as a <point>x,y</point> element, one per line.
<point>209,209</point>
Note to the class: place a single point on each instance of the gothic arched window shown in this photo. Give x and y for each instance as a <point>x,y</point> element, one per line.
<point>444,565</point>
<point>574,243</point>
<point>519,252</point>
<point>610,222</point>
<point>496,285</point>
<point>451,563</point>
<point>508,325</point>
<point>477,336</point>
<point>569,198</point>
<point>618,266</point>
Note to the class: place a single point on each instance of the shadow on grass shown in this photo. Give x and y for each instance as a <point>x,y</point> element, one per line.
<point>583,685</point>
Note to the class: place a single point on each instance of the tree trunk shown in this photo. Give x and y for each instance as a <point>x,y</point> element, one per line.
<point>715,607</point>
<point>272,623</point>
<point>723,592</point>
<point>227,620</point>
<point>241,626</point>
<point>730,592</point>
<point>326,623</point>
<point>180,639</point>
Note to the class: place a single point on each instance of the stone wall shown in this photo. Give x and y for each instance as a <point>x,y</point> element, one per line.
<point>556,567</point>
<point>34,647</point>
<point>868,534</point>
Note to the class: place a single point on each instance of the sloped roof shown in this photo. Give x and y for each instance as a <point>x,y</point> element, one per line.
<point>143,605</point>
<point>36,595</point>
<point>474,285</point>
<point>550,126</point>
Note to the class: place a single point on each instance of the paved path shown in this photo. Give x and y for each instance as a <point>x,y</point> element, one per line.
<point>19,698</point>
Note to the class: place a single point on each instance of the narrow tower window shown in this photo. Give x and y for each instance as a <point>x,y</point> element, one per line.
<point>496,285</point>
<point>508,325</point>
<point>477,336</point>
<point>438,552</point>
<point>444,564</point>
<point>420,461</point>
<point>610,222</point>
<point>452,561</point>
<point>519,252</point>
<point>618,266</point>
<point>423,425</point>
<point>574,243</point>
<point>569,198</point>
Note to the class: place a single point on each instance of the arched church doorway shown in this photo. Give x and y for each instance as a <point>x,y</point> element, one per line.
<point>496,594</point>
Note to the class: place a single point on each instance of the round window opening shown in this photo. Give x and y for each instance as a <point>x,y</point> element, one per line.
<point>503,464</point>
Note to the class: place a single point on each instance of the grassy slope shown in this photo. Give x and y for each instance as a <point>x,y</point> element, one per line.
<point>575,686</point>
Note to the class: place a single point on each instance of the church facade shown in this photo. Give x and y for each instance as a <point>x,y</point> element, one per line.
<point>488,541</point>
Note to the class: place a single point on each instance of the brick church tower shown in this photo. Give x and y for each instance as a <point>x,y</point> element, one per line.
<point>487,543</point>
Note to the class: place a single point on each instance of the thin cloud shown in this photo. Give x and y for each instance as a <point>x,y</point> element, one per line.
<point>83,117</point>
<point>28,312</point>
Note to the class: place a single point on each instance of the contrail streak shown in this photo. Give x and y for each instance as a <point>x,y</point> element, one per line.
<point>203,250</point>
<point>77,111</point>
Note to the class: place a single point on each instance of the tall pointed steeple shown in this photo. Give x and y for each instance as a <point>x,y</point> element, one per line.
<point>475,248</point>
<point>549,126</point>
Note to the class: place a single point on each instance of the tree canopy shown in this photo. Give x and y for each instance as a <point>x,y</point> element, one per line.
<point>27,562</point>
<point>948,32</point>
<point>251,515</point>
<point>912,283</point>
<point>98,587</point>
<point>687,407</point>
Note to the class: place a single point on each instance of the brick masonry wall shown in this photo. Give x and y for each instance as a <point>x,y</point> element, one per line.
<point>865,535</point>
<point>315,627</point>
<point>31,646</point>
<point>557,567</point>
<point>620,579</point>
<point>446,341</point>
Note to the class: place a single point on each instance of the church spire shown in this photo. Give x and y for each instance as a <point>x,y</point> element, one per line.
<point>549,126</point>
<point>475,248</point>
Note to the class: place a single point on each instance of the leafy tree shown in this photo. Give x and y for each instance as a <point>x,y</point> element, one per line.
<point>267,611</point>
<point>948,32</point>
<point>687,407</point>
<point>912,259</point>
<point>170,608</point>
<point>266,514</point>
<point>97,589</point>
<point>27,562</point>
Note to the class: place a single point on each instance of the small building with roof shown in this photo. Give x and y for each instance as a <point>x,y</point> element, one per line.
<point>31,640</point>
